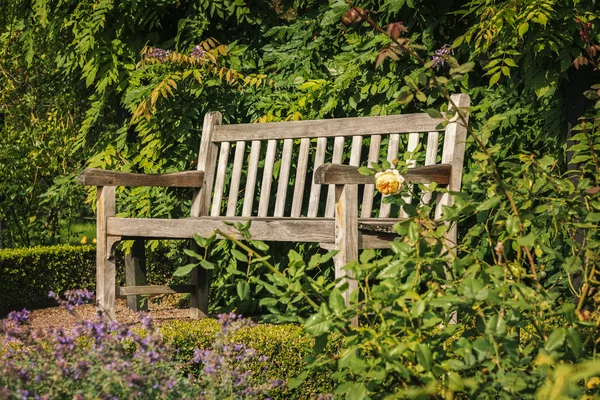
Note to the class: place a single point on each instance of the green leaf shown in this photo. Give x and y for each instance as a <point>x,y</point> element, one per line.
<point>434,113</point>
<point>495,78</point>
<point>207,265</point>
<point>464,68</point>
<point>556,339</point>
<point>317,324</point>
<point>193,254</point>
<point>421,97</point>
<point>243,290</point>
<point>410,83</point>
<point>260,245</point>
<point>489,203</point>
<point>238,255</point>
<point>424,357</point>
<point>365,171</point>
<point>405,97</point>
<point>523,28</point>
<point>336,301</point>
<point>294,383</point>
<point>185,270</point>
<point>528,240</point>
<point>593,217</point>
<point>574,342</point>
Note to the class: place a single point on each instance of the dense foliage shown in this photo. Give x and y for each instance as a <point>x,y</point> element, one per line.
<point>27,275</point>
<point>522,282</point>
<point>125,85</point>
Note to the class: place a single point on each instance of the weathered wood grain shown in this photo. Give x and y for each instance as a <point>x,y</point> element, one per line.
<point>207,160</point>
<point>393,147</point>
<point>153,289</point>
<point>284,177</point>
<point>267,179</point>
<point>220,179</point>
<point>301,169</point>
<point>380,125</point>
<point>135,274</point>
<point>431,152</point>
<point>348,174</point>
<point>413,142</point>
<point>453,153</point>
<point>236,175</point>
<point>105,261</point>
<point>251,178</point>
<point>315,189</point>
<point>369,190</point>
<point>102,177</point>
<point>338,152</point>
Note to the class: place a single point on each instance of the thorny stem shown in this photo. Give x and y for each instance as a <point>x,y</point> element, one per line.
<point>463,119</point>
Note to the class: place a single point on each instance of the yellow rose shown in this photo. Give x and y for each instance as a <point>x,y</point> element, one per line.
<point>389,182</point>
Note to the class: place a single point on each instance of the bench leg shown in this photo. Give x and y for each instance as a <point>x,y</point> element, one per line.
<point>346,236</point>
<point>105,260</point>
<point>135,274</point>
<point>199,295</point>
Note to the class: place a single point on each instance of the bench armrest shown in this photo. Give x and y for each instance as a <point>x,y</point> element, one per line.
<point>347,174</point>
<point>102,177</point>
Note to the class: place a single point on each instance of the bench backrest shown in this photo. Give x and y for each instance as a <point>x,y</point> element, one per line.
<point>267,169</point>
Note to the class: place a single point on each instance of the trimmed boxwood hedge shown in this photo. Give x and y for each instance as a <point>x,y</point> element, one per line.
<point>28,274</point>
<point>286,347</point>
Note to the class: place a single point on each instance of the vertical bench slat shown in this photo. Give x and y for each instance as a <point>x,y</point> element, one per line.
<point>453,153</point>
<point>236,174</point>
<point>433,139</point>
<point>267,180</point>
<point>338,152</point>
<point>300,182</point>
<point>369,190</point>
<point>393,146</point>
<point>356,150</point>
<point>220,180</point>
<point>207,159</point>
<point>251,179</point>
<point>315,189</point>
<point>284,177</point>
<point>413,142</point>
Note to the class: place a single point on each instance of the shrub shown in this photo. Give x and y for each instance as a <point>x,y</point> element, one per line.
<point>27,275</point>
<point>99,359</point>
<point>284,346</point>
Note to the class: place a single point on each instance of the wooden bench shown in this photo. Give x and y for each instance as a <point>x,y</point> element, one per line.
<point>235,181</point>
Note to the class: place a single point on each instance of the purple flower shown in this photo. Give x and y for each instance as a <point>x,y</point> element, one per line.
<point>158,54</point>
<point>198,52</point>
<point>441,54</point>
<point>19,317</point>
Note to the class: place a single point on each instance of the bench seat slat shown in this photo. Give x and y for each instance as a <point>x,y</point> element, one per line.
<point>319,230</point>
<point>379,125</point>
